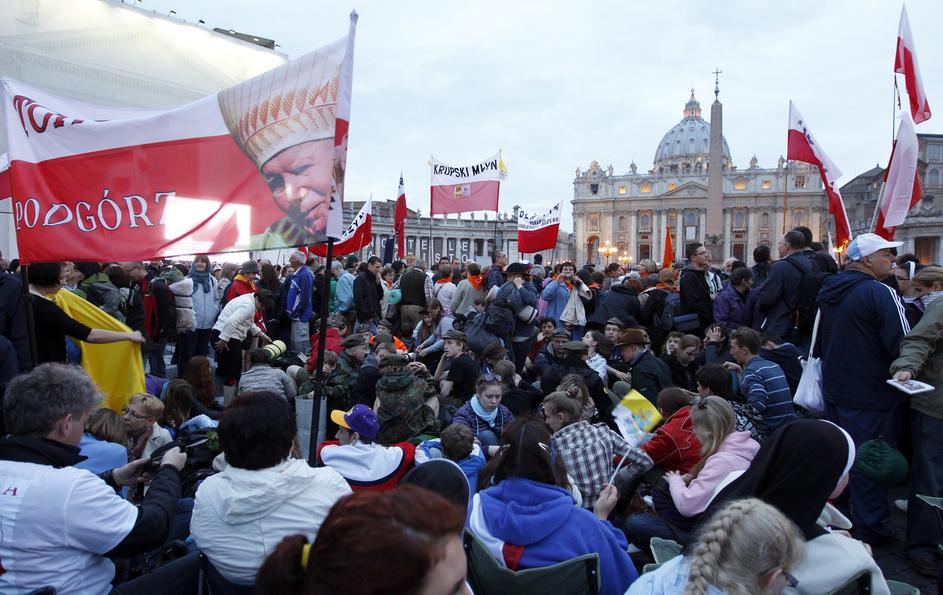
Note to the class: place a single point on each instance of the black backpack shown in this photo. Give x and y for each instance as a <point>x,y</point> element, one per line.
<point>809,287</point>
<point>499,318</point>
<point>666,320</point>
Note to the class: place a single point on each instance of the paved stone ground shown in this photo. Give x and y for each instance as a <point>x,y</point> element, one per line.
<point>893,560</point>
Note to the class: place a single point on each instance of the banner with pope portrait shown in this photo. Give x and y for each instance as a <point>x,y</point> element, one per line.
<point>259,165</point>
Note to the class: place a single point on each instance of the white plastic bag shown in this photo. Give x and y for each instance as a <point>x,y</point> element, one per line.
<point>809,392</point>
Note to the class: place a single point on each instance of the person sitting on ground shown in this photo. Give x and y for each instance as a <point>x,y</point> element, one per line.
<point>262,376</point>
<point>798,470</point>
<point>242,513</point>
<point>445,478</point>
<point>714,379</point>
<point>199,375</point>
<point>520,397</point>
<point>545,329</point>
<point>406,403</point>
<point>408,542</point>
<point>140,420</point>
<point>574,362</point>
<point>456,372</point>
<point>785,355</point>
<point>743,536</point>
<point>683,362</point>
<point>724,452</point>
<point>763,383</point>
<point>366,465</point>
<point>341,386</point>
<point>674,446</point>
<point>66,524</point>
<point>525,515</point>
<point>429,350</point>
<point>590,452</point>
<point>552,352</point>
<point>599,349</point>
<point>178,403</point>
<point>104,443</point>
<point>457,444</point>
<point>649,374</point>
<point>484,413</point>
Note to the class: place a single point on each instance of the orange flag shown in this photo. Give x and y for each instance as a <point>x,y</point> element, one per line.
<point>668,258</point>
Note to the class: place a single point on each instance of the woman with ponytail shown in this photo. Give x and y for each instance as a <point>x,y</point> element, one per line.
<point>405,541</point>
<point>746,548</point>
<point>525,515</point>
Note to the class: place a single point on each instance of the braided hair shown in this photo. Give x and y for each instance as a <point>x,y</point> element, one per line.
<point>742,540</point>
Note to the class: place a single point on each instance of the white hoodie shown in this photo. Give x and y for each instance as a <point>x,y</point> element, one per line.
<point>239,516</point>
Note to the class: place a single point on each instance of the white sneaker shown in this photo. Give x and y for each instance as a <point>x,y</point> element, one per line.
<point>901,505</point>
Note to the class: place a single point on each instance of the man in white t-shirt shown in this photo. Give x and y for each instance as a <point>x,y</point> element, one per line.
<point>58,523</point>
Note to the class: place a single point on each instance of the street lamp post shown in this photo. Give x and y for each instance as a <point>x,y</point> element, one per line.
<point>607,250</point>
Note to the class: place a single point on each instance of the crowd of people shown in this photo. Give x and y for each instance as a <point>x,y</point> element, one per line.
<point>473,407</point>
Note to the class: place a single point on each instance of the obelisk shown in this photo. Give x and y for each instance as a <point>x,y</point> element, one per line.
<point>714,234</point>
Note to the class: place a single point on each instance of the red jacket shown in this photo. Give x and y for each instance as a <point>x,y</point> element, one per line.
<point>674,447</point>
<point>332,342</point>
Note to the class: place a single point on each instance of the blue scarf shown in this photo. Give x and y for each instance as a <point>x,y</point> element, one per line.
<point>481,412</point>
<point>200,278</point>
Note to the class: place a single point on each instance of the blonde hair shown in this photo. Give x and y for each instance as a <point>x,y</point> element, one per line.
<point>562,402</point>
<point>151,406</point>
<point>740,541</point>
<point>106,425</point>
<point>928,276</point>
<point>714,420</point>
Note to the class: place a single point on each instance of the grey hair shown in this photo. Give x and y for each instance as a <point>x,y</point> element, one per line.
<point>300,255</point>
<point>34,402</point>
<point>419,264</point>
<point>337,266</point>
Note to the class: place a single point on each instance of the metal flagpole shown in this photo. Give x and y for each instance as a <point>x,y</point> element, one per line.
<point>895,103</point>
<point>785,195</point>
<point>319,408</point>
<point>429,252</point>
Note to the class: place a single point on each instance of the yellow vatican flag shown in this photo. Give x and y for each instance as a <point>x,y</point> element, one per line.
<point>116,368</point>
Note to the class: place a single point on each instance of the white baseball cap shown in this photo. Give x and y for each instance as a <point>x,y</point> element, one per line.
<point>866,244</point>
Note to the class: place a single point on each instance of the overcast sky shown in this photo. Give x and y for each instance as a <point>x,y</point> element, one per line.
<point>557,84</point>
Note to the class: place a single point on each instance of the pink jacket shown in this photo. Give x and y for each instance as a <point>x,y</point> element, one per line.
<point>735,454</point>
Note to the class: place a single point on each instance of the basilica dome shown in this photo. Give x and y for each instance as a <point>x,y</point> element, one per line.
<point>685,148</point>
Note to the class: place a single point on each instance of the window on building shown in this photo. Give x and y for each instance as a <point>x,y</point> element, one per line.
<point>798,182</point>
<point>740,183</point>
<point>644,251</point>
<point>927,249</point>
<point>765,184</point>
<point>798,218</point>
<point>479,247</point>
<point>934,152</point>
<point>594,222</point>
<point>739,220</point>
<point>621,189</point>
<point>621,223</point>
<point>764,220</point>
<point>933,178</point>
<point>690,218</point>
<point>645,222</point>
<point>739,251</point>
<point>594,188</point>
<point>645,187</point>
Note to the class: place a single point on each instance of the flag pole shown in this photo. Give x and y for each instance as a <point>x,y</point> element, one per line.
<point>429,253</point>
<point>895,101</point>
<point>319,409</point>
<point>785,195</point>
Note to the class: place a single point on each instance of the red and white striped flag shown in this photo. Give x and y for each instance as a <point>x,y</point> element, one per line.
<point>357,235</point>
<point>399,221</point>
<point>219,174</point>
<point>905,63</point>
<point>538,231</point>
<point>901,182</point>
<point>464,188</point>
<point>801,146</point>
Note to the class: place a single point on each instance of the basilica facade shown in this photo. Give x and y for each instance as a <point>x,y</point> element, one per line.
<point>731,210</point>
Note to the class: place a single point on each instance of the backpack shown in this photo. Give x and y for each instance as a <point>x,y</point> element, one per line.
<point>809,287</point>
<point>499,318</point>
<point>666,320</point>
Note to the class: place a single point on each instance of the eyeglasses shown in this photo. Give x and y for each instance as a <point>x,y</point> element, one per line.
<point>129,412</point>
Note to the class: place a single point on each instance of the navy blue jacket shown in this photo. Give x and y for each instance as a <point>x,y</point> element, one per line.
<point>779,295</point>
<point>622,303</point>
<point>859,336</point>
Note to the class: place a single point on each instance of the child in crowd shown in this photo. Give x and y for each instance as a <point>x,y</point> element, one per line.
<point>457,444</point>
<point>590,451</point>
<point>675,446</point>
<point>484,413</point>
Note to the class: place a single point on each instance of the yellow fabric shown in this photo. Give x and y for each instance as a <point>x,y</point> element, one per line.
<point>116,368</point>
<point>635,414</point>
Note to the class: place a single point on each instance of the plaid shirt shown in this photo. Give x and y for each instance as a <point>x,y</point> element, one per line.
<point>591,453</point>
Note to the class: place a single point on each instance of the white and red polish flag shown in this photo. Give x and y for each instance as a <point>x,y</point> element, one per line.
<point>464,188</point>
<point>254,166</point>
<point>801,146</point>
<point>399,219</point>
<point>538,231</point>
<point>357,235</point>
<point>901,182</point>
<point>905,63</point>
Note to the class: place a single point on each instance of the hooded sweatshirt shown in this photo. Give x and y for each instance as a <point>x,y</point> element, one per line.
<point>735,454</point>
<point>239,515</point>
<point>862,325</point>
<point>668,579</point>
<point>527,524</point>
